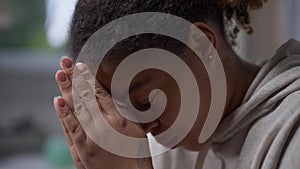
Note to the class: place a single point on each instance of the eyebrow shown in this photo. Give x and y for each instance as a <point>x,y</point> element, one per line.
<point>136,85</point>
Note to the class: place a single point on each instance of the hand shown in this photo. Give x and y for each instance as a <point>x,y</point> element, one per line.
<point>85,153</point>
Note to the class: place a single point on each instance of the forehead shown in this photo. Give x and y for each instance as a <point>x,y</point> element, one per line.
<point>142,83</point>
<point>107,69</point>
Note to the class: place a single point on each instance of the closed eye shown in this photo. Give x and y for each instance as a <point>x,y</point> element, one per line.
<point>143,105</point>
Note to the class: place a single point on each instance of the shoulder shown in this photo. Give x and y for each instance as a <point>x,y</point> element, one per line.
<point>274,134</point>
<point>284,64</point>
<point>292,47</point>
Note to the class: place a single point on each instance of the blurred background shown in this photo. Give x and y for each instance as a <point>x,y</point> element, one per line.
<point>33,35</point>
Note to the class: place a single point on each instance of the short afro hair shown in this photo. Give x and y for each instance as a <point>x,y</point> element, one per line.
<point>91,15</point>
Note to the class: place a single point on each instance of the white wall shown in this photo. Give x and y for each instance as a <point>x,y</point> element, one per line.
<point>274,24</point>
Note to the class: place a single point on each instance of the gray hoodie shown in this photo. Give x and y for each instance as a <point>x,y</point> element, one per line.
<point>263,133</point>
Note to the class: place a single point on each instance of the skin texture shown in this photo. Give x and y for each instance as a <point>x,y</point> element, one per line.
<point>87,155</point>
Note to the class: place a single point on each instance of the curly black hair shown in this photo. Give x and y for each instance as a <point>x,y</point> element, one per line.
<point>91,15</point>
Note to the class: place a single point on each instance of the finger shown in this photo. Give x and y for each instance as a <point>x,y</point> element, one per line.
<point>67,64</point>
<point>72,149</point>
<point>108,106</point>
<point>87,74</point>
<point>93,93</point>
<point>89,116</point>
<point>77,161</point>
<point>65,87</point>
<point>83,89</point>
<point>70,122</point>
<point>85,102</point>
<point>67,135</point>
<point>101,94</point>
<point>71,146</point>
<point>66,132</point>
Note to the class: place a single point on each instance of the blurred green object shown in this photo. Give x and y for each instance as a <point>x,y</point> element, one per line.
<point>57,153</point>
<point>22,24</point>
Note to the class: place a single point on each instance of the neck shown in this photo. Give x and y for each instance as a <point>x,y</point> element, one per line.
<point>240,75</point>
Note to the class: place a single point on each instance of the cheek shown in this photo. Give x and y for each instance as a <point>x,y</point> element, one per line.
<point>170,113</point>
<point>191,140</point>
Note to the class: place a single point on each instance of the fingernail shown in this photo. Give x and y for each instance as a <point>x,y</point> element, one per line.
<point>81,67</point>
<point>55,98</point>
<point>67,63</point>
<point>62,77</point>
<point>61,103</point>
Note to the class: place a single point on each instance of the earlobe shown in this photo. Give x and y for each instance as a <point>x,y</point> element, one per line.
<point>208,32</point>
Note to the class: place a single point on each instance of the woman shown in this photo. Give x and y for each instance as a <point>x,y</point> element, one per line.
<point>259,127</point>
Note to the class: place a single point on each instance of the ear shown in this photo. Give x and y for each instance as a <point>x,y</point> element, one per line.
<point>207,30</point>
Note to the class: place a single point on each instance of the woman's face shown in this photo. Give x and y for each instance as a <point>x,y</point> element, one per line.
<point>146,81</point>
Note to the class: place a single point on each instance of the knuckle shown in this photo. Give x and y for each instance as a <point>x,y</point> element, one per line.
<point>101,93</point>
<point>79,107</point>
<point>75,128</point>
<point>78,137</point>
<point>66,85</point>
<point>82,114</point>
<point>73,124</point>
<point>86,95</point>
<point>65,112</point>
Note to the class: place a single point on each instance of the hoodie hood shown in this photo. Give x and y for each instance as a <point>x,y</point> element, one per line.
<point>277,79</point>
